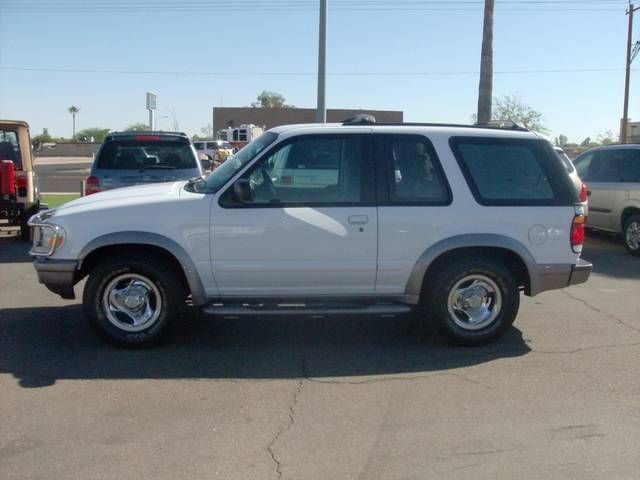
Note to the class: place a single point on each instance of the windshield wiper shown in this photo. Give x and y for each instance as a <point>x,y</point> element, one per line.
<point>157,167</point>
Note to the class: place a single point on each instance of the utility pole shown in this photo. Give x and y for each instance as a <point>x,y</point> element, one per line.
<point>485,89</point>
<point>627,77</point>
<point>321,112</point>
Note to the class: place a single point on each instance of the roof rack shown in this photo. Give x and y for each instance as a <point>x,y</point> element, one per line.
<point>365,119</point>
<point>360,119</point>
<point>506,124</point>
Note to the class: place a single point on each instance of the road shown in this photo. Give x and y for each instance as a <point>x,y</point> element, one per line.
<point>62,175</point>
<point>333,398</point>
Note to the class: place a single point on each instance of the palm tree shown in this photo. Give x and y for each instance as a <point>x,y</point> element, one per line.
<point>73,110</point>
<point>485,90</point>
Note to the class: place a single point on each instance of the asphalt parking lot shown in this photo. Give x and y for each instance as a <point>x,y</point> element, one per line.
<point>338,398</point>
<point>62,174</point>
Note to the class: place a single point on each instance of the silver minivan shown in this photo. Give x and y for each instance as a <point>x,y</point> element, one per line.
<point>134,158</point>
<point>612,175</point>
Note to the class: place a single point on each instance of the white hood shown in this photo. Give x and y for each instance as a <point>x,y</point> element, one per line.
<point>123,197</point>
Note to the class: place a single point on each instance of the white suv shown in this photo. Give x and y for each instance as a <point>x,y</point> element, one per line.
<point>451,222</point>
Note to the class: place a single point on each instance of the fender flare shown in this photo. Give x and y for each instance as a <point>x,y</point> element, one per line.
<point>157,240</point>
<point>414,284</point>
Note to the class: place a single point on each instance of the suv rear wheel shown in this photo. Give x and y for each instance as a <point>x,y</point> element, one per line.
<point>631,235</point>
<point>471,301</point>
<point>131,300</point>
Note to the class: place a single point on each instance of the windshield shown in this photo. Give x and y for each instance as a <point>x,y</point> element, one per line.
<point>234,164</point>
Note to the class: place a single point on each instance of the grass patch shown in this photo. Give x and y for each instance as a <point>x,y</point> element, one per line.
<point>54,201</point>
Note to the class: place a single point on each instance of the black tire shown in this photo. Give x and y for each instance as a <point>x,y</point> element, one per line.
<point>491,275</point>
<point>633,247</point>
<point>149,271</point>
<point>25,230</point>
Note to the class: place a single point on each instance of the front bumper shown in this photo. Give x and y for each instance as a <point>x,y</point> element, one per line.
<point>59,276</point>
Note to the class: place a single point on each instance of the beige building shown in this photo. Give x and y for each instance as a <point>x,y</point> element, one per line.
<point>224,117</point>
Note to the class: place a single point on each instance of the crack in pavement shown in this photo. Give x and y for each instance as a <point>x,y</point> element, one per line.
<point>586,349</point>
<point>376,380</point>
<point>285,428</point>
<point>602,312</point>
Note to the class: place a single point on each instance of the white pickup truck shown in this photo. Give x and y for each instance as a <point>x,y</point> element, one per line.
<point>449,222</point>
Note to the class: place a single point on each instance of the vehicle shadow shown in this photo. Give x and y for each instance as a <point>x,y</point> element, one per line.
<point>13,249</point>
<point>609,256</point>
<point>41,345</point>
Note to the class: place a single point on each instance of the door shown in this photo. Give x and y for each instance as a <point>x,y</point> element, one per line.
<point>301,221</point>
<point>604,173</point>
<point>628,189</point>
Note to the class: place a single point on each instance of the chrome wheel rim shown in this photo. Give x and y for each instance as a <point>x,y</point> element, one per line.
<point>132,302</point>
<point>632,235</point>
<point>474,302</point>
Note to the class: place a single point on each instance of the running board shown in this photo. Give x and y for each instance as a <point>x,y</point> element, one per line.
<point>302,309</point>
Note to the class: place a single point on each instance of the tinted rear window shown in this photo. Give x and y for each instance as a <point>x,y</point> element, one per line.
<point>513,171</point>
<point>136,155</point>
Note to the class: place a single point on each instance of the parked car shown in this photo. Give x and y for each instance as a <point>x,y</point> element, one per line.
<point>450,222</point>
<point>132,158</point>
<point>578,184</point>
<point>216,150</point>
<point>19,189</point>
<point>612,174</point>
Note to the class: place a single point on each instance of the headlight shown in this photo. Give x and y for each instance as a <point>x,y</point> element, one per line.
<point>47,237</point>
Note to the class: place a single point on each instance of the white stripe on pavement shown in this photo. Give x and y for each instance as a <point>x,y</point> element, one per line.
<point>60,193</point>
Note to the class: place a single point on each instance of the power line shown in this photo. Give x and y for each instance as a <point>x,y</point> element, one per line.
<point>285,74</point>
<point>102,6</point>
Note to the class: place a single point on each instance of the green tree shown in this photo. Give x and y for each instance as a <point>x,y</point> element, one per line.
<point>562,140</point>
<point>73,110</point>
<point>137,127</point>
<point>606,138</point>
<point>97,133</point>
<point>44,137</point>
<point>269,99</point>
<point>586,142</point>
<point>511,107</point>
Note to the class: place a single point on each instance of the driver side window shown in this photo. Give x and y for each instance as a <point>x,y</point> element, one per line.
<point>310,171</point>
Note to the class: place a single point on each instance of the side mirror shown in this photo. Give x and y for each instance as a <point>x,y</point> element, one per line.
<point>242,191</point>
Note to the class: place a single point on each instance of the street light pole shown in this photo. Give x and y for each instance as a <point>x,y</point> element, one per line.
<point>321,112</point>
<point>152,124</point>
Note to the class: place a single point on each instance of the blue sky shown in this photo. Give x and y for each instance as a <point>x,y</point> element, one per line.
<point>64,34</point>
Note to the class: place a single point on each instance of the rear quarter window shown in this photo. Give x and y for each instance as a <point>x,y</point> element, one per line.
<point>513,172</point>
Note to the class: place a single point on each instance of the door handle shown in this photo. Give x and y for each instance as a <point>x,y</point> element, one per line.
<point>358,219</point>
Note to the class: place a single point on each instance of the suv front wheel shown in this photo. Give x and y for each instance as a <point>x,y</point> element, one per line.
<point>131,300</point>
<point>471,301</point>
